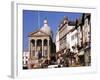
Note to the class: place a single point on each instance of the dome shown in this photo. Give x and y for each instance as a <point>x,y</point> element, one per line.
<point>45,28</point>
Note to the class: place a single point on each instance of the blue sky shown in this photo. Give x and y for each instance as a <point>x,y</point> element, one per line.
<point>33,20</point>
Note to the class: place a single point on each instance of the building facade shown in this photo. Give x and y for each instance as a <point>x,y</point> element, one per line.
<point>64,33</point>
<point>40,46</point>
<point>87,39</point>
<point>57,42</point>
<point>76,34</point>
<point>25,59</point>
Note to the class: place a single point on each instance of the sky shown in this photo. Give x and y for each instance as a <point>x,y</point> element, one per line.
<point>33,20</point>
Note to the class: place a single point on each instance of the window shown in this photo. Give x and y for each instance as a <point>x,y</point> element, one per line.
<point>74,36</point>
<point>33,42</point>
<point>26,62</point>
<point>39,42</point>
<point>26,57</point>
<point>45,42</point>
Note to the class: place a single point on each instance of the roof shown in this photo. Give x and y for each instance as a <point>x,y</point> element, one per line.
<point>38,33</point>
<point>45,28</point>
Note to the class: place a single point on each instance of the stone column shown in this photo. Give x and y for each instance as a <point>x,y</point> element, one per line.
<point>48,50</point>
<point>42,47</point>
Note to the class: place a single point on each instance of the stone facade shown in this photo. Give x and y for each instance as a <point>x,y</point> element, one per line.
<point>39,46</point>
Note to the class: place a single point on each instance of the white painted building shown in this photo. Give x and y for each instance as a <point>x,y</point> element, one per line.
<point>79,36</point>
<point>25,58</point>
<point>57,42</point>
<point>75,34</point>
<point>64,33</point>
<point>86,31</point>
<point>72,39</point>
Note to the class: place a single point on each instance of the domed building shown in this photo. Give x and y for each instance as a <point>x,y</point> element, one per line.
<point>45,28</point>
<point>40,43</point>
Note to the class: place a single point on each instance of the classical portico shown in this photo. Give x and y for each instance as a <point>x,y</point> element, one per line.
<point>39,47</point>
<point>39,44</point>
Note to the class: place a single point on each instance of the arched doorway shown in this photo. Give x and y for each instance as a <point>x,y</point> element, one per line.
<point>39,48</point>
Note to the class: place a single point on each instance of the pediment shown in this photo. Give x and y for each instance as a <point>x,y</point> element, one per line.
<point>38,33</point>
